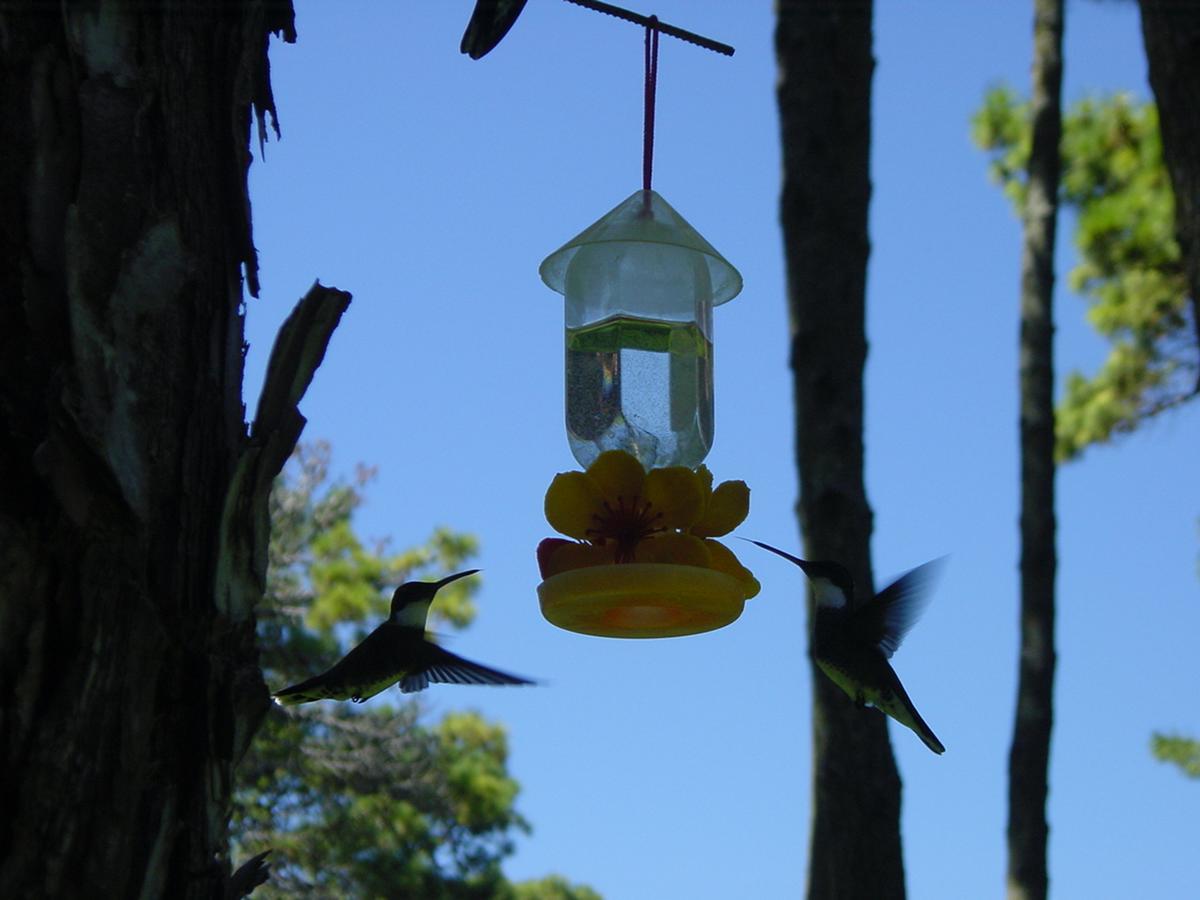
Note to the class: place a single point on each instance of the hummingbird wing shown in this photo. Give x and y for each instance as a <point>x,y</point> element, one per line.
<point>889,615</point>
<point>391,654</point>
<point>440,666</point>
<point>490,22</point>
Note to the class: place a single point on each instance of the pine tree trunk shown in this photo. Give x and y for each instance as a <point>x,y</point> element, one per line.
<point>133,506</point>
<point>1029,756</point>
<point>1171,33</point>
<point>824,93</point>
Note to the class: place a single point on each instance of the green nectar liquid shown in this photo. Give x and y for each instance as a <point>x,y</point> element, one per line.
<point>642,386</point>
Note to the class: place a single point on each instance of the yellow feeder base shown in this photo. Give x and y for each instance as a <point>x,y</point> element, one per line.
<point>641,600</point>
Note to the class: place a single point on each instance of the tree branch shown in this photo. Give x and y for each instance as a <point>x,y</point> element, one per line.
<point>249,875</point>
<point>245,529</point>
<point>245,523</point>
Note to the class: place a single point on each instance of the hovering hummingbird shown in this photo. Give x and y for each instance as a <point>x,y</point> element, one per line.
<point>490,22</point>
<point>852,643</point>
<point>396,651</point>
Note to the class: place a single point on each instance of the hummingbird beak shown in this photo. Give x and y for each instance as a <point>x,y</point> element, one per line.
<point>802,563</point>
<point>449,578</point>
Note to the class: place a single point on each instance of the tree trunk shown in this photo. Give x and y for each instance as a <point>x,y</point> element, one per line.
<point>824,93</point>
<point>1029,756</point>
<point>1171,33</point>
<point>133,510</point>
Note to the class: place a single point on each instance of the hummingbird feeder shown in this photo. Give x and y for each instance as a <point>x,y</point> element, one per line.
<point>639,287</point>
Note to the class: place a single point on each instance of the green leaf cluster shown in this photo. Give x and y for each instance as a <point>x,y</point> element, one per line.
<point>552,887</point>
<point>1130,270</point>
<point>1183,752</point>
<point>372,801</point>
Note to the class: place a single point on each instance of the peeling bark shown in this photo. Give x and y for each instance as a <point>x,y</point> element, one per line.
<point>824,94</point>
<point>133,512</point>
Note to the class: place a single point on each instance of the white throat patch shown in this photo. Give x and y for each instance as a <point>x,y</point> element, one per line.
<point>413,615</point>
<point>827,594</point>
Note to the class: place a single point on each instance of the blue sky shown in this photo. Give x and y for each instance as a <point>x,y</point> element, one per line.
<point>431,187</point>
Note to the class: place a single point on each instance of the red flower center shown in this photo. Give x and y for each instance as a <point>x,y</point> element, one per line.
<point>625,524</point>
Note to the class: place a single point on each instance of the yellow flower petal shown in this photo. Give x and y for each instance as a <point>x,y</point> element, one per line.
<point>574,556</point>
<point>706,478</point>
<point>676,496</point>
<point>617,476</point>
<point>722,559</point>
<point>673,548</point>
<point>727,509</point>
<point>546,549</point>
<point>571,500</point>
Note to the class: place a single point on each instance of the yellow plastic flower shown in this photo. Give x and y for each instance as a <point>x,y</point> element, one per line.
<point>619,513</point>
<point>673,548</point>
<point>725,508</point>
<point>723,559</point>
<point>617,503</point>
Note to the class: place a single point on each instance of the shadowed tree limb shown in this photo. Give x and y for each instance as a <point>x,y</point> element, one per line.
<point>1029,755</point>
<point>1171,34</point>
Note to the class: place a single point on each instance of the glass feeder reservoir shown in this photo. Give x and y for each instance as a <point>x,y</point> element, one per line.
<point>640,285</point>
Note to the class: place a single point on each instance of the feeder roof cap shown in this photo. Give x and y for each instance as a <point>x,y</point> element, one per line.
<point>634,221</point>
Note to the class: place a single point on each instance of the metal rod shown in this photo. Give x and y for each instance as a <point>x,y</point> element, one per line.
<point>648,22</point>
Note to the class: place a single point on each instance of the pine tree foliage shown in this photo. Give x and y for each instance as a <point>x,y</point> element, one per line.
<point>1182,751</point>
<point>1130,268</point>
<point>372,801</point>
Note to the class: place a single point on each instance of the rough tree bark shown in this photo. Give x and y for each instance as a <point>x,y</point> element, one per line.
<point>824,94</point>
<point>133,519</point>
<point>1171,34</point>
<point>1029,756</point>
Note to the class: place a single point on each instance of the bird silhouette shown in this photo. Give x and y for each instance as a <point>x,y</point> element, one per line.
<point>397,652</point>
<point>853,642</point>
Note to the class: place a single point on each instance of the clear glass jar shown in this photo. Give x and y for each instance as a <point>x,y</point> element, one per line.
<point>640,286</point>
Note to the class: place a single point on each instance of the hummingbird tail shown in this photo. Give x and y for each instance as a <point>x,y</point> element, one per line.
<point>291,699</point>
<point>304,692</point>
<point>908,716</point>
<point>926,734</point>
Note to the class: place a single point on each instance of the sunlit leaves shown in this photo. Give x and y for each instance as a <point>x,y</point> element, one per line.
<point>555,887</point>
<point>1183,752</point>
<point>1114,180</point>
<point>1001,127</point>
<point>374,801</point>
